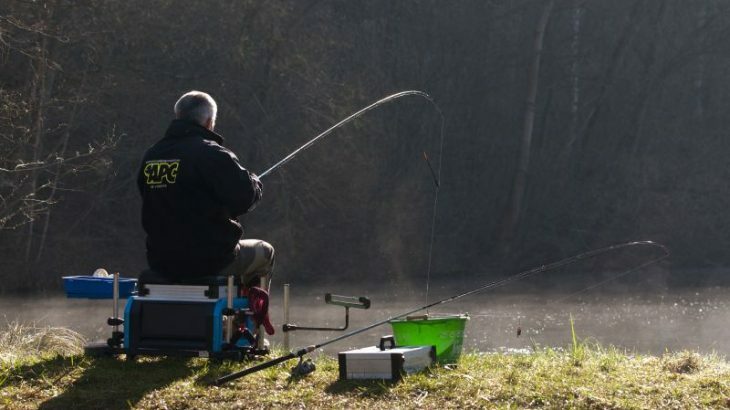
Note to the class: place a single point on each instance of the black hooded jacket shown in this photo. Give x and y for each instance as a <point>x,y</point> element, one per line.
<point>193,189</point>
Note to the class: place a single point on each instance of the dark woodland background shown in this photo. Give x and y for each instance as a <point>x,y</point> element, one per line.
<point>569,125</point>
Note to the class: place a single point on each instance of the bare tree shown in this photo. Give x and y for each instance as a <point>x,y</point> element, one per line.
<point>35,134</point>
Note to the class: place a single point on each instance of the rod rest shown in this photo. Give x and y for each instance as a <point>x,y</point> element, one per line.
<point>347,301</point>
<point>338,300</point>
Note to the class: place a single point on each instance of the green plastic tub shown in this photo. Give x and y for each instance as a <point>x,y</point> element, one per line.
<point>446,332</point>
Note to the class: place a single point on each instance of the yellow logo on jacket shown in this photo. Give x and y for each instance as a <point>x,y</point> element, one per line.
<point>159,173</point>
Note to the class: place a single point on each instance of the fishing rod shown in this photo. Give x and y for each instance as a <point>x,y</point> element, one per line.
<point>436,174</point>
<point>491,285</point>
<point>350,118</point>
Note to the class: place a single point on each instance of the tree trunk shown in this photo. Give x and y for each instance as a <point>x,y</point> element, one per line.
<point>41,94</point>
<point>43,82</point>
<point>57,175</point>
<point>520,182</point>
<point>617,57</point>
<point>699,83</point>
<point>576,23</point>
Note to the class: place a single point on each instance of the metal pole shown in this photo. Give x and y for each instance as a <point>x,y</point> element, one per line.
<point>286,314</point>
<point>229,305</point>
<point>264,284</point>
<point>116,299</point>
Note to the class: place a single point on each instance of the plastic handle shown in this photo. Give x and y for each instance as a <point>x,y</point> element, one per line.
<point>388,338</point>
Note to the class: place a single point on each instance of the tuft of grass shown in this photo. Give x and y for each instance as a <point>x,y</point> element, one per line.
<point>684,363</point>
<point>19,340</point>
<point>578,349</point>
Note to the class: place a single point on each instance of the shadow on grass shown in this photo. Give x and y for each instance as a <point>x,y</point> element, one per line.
<point>364,388</point>
<point>212,369</point>
<point>111,383</point>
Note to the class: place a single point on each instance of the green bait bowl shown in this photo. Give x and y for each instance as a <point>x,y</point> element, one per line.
<point>446,332</point>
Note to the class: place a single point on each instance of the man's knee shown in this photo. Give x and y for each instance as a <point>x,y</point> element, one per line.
<point>268,251</point>
<point>256,256</point>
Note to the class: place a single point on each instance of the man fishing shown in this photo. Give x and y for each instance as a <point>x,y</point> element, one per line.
<point>193,189</point>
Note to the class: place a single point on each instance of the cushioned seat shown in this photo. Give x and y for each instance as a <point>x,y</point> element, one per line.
<point>151,277</point>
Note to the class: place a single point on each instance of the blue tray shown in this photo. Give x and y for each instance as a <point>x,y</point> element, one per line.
<point>92,287</point>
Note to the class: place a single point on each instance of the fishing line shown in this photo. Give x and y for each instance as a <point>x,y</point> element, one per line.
<point>581,291</point>
<point>437,184</point>
<point>613,277</point>
<point>491,285</point>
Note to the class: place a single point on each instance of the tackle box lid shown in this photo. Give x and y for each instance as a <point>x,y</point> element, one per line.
<point>373,352</point>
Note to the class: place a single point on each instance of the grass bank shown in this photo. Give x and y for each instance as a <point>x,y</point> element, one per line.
<point>44,368</point>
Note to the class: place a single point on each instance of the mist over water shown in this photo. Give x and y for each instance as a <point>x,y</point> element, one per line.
<point>693,319</point>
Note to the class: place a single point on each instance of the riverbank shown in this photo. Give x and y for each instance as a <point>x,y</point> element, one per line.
<point>43,368</point>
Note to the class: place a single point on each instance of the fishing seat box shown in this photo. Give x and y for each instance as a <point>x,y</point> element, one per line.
<point>385,362</point>
<point>183,318</point>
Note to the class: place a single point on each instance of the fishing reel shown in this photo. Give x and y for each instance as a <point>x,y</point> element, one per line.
<point>303,368</point>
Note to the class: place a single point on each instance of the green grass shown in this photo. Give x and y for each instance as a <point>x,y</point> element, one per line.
<point>583,376</point>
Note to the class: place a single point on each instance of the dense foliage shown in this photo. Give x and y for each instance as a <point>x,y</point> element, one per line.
<point>627,141</point>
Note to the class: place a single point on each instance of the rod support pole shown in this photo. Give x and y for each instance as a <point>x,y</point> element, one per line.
<point>264,284</point>
<point>286,315</point>
<point>116,299</point>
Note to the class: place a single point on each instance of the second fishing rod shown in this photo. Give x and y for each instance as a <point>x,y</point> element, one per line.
<point>491,285</point>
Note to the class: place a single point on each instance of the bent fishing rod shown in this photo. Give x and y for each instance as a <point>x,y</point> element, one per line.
<point>491,285</point>
<point>352,117</point>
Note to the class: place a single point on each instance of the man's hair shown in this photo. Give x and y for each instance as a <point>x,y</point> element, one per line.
<point>196,106</point>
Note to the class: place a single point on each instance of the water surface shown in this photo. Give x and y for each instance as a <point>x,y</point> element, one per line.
<point>645,323</point>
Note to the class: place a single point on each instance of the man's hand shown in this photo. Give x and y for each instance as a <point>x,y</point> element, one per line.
<point>258,189</point>
<point>257,182</point>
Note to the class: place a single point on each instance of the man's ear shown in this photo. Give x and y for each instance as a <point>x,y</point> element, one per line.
<point>209,124</point>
